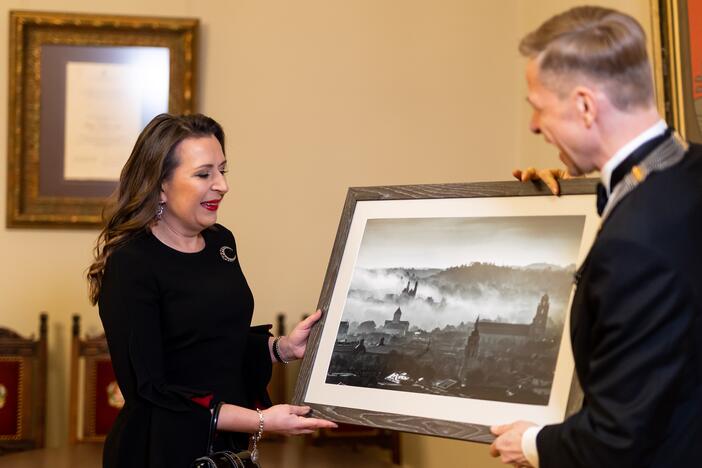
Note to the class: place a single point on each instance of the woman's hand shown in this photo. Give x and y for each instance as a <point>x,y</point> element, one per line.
<point>291,420</point>
<point>283,419</point>
<point>293,346</point>
<point>550,177</point>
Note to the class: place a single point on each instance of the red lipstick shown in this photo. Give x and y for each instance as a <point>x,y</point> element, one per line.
<point>211,205</point>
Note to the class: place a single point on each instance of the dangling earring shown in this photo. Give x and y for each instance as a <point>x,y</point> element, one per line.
<point>159,210</point>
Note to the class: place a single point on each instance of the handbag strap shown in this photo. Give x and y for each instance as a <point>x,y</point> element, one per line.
<point>213,427</point>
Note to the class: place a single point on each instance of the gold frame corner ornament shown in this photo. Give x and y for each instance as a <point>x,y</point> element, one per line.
<point>29,32</point>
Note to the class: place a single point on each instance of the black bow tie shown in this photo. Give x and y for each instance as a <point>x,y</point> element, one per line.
<point>601,198</point>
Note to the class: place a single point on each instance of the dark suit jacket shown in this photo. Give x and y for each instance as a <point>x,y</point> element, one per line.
<point>636,329</point>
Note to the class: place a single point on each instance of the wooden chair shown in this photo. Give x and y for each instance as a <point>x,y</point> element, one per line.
<point>355,436</point>
<point>95,398</point>
<point>22,389</point>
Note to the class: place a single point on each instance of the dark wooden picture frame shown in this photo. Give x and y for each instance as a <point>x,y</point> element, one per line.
<point>677,53</point>
<point>363,412</point>
<point>42,45</point>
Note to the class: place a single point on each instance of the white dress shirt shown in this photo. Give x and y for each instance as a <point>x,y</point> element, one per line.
<point>650,133</point>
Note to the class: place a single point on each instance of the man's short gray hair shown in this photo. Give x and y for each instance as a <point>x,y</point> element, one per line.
<point>599,44</point>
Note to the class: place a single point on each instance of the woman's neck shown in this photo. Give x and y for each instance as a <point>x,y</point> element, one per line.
<point>175,238</point>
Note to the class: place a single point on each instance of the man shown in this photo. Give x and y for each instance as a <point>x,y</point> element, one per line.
<point>636,318</point>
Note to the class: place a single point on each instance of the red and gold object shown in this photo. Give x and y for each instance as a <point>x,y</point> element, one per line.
<point>106,406</point>
<point>10,398</point>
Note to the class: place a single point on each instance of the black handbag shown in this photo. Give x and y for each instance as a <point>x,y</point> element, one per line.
<point>224,458</point>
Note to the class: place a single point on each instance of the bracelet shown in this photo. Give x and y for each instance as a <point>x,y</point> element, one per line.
<point>256,437</point>
<point>276,351</point>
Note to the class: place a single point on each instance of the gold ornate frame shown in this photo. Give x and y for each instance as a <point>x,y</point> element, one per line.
<point>29,33</point>
<point>670,37</point>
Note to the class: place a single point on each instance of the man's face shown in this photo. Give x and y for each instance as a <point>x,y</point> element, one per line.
<point>558,119</point>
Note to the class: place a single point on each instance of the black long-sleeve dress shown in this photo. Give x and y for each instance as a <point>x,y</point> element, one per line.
<point>178,329</point>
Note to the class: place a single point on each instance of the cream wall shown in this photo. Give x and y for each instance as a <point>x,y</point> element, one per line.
<point>315,96</point>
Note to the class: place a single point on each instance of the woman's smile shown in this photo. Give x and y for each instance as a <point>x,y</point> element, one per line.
<point>211,205</point>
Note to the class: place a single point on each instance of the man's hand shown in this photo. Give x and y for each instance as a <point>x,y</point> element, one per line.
<point>550,177</point>
<point>508,444</point>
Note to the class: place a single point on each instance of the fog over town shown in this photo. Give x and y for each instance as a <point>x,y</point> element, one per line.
<point>495,267</point>
<point>466,307</point>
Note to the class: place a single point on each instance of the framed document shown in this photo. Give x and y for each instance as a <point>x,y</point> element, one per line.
<point>81,89</point>
<point>677,45</point>
<point>446,308</point>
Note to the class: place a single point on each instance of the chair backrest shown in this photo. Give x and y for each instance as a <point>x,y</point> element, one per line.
<point>22,389</point>
<point>95,398</point>
<point>353,435</point>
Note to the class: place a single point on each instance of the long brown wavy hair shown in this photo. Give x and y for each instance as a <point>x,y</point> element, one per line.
<point>133,206</point>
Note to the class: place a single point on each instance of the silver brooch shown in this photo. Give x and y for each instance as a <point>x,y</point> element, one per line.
<point>225,256</point>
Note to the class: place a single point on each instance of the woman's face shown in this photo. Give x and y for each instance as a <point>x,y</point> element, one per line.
<point>196,186</point>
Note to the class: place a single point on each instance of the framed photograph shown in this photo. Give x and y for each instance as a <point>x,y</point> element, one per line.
<point>677,46</point>
<point>81,89</point>
<point>446,308</point>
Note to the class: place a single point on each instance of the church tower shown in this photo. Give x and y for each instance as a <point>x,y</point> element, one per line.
<point>473,341</point>
<point>470,354</point>
<point>538,324</point>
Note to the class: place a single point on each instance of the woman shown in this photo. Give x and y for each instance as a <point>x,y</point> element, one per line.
<point>176,307</point>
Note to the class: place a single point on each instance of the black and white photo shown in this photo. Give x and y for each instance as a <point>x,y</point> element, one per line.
<point>466,307</point>
<point>444,308</point>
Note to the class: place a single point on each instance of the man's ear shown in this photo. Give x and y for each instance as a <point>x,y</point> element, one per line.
<point>585,105</point>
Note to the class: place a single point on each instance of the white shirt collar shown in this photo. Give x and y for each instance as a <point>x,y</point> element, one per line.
<point>652,132</point>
